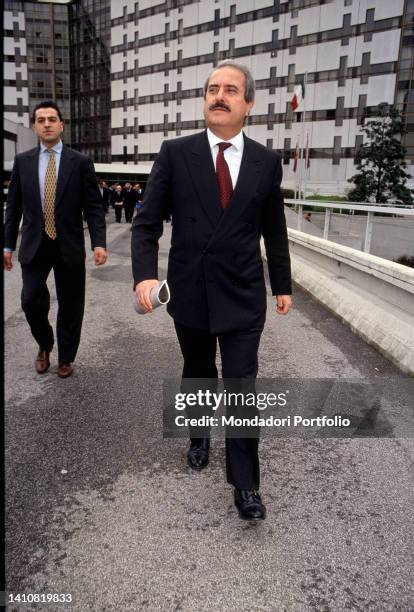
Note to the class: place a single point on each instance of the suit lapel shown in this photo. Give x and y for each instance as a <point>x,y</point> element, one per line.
<point>33,169</point>
<point>65,170</point>
<point>201,168</point>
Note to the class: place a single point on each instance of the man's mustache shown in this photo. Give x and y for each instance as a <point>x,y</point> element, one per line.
<point>219,105</point>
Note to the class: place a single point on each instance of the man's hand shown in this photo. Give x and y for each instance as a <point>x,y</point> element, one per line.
<point>143,293</point>
<point>283,304</point>
<point>7,261</point>
<point>100,255</point>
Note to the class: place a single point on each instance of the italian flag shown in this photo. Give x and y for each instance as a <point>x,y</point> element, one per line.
<point>298,95</point>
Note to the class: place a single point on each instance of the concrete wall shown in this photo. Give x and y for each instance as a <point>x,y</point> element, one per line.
<point>23,139</point>
<point>373,295</point>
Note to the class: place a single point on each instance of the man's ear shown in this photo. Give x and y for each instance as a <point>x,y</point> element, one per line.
<point>249,108</point>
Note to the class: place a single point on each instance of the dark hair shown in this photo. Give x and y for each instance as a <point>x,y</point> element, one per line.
<point>46,104</point>
<point>249,80</point>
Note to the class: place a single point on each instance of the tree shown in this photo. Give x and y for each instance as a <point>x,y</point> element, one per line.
<point>380,159</point>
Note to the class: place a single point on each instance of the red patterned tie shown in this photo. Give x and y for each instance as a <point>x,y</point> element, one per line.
<point>223,175</point>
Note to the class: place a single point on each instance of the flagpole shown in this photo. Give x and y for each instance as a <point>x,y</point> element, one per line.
<point>294,171</point>
<point>300,164</point>
<point>303,187</point>
<point>298,97</point>
<point>295,163</point>
<point>295,167</point>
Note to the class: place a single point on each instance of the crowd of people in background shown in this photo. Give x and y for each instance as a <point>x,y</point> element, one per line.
<point>127,198</point>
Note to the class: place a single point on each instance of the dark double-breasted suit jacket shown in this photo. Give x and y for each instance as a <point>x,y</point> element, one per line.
<point>76,191</point>
<point>215,268</point>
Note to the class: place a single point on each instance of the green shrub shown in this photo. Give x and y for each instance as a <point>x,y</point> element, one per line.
<point>405,260</point>
<point>288,193</point>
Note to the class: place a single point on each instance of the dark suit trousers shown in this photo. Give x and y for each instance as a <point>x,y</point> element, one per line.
<point>239,361</point>
<point>118,213</point>
<point>129,211</point>
<point>70,291</point>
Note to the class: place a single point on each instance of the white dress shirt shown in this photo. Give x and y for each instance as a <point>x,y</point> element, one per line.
<point>233,155</point>
<point>43,162</point>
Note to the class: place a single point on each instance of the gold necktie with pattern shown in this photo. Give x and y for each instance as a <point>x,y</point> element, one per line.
<point>50,196</point>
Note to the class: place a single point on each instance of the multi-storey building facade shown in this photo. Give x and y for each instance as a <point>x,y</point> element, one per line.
<point>60,51</point>
<point>16,120</point>
<point>353,53</point>
<point>89,34</point>
<point>37,46</point>
<point>15,84</point>
<point>129,74</point>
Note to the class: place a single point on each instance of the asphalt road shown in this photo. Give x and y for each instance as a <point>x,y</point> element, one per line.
<point>100,506</point>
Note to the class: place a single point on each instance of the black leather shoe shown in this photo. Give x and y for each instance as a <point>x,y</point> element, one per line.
<point>249,504</point>
<point>197,455</point>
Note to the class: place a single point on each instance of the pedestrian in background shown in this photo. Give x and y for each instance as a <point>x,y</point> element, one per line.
<point>118,203</point>
<point>111,190</point>
<point>51,186</point>
<point>138,196</point>
<point>129,202</point>
<point>105,195</point>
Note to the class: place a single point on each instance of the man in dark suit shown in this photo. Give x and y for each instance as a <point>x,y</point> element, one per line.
<point>105,195</point>
<point>222,191</point>
<point>130,199</point>
<point>51,186</point>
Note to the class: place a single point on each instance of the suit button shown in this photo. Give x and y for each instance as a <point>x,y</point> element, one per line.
<point>205,251</point>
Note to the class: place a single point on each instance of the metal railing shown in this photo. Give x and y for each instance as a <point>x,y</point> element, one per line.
<point>370,209</point>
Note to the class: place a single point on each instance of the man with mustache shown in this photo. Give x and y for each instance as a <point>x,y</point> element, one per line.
<point>222,191</point>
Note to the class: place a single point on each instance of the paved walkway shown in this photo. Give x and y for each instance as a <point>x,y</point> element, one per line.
<point>100,506</point>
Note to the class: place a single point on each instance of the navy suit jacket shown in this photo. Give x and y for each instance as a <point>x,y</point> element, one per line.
<point>215,268</point>
<point>76,191</point>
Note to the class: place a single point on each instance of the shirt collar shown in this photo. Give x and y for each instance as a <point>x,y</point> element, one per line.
<point>57,147</point>
<point>236,141</point>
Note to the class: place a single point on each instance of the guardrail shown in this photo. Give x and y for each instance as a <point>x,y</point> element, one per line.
<point>372,295</point>
<point>370,209</point>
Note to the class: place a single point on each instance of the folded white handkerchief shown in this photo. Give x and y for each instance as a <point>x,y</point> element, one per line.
<point>160,295</point>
